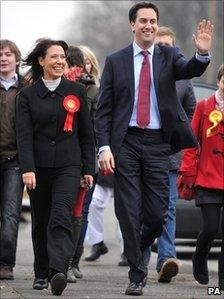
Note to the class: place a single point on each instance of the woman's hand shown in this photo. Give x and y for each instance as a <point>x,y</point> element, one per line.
<point>188,180</point>
<point>29,179</point>
<point>88,179</point>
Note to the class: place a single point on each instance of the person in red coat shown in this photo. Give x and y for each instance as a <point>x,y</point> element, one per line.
<point>205,171</point>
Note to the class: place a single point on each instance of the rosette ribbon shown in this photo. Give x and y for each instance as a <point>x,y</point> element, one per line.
<point>71,104</point>
<point>215,117</point>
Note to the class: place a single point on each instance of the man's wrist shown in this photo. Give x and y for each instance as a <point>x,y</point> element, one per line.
<point>103,148</point>
<point>203,53</point>
<point>203,58</point>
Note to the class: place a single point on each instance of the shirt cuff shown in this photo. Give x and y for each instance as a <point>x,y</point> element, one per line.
<point>203,58</point>
<point>103,148</point>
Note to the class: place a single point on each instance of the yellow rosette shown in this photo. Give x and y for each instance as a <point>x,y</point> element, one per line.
<point>215,117</point>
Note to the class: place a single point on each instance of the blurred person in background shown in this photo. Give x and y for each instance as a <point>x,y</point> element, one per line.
<point>83,63</point>
<point>204,171</point>
<point>167,264</point>
<point>102,196</point>
<point>11,189</point>
<point>91,63</point>
<point>53,123</point>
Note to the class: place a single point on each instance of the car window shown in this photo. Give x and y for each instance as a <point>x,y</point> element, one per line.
<point>203,91</point>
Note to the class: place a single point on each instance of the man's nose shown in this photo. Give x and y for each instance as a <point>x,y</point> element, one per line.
<point>148,24</point>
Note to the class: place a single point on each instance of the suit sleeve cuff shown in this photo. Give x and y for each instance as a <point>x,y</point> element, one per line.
<point>103,148</point>
<point>203,58</point>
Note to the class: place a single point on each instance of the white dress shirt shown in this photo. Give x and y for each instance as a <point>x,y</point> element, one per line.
<point>155,120</point>
<point>8,83</point>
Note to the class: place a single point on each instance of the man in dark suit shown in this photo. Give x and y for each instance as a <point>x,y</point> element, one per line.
<point>137,123</point>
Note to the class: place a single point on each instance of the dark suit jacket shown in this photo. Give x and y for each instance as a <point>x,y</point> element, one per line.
<point>40,121</point>
<point>185,94</point>
<point>116,96</point>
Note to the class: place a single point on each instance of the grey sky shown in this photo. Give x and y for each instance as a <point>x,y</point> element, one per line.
<point>25,21</point>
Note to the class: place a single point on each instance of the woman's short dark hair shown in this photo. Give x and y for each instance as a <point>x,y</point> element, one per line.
<point>134,10</point>
<point>40,50</point>
<point>220,72</point>
<point>75,57</point>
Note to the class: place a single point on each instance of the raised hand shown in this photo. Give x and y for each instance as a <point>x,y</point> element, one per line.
<point>203,37</point>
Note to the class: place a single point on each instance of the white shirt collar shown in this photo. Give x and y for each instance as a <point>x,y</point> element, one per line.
<point>14,78</point>
<point>10,82</point>
<point>52,84</point>
<point>138,50</point>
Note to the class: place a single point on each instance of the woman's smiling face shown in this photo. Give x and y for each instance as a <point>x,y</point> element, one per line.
<point>53,63</point>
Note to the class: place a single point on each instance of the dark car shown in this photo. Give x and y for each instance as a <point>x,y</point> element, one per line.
<point>188,216</point>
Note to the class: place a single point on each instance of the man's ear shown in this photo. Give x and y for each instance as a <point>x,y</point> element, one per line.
<point>132,26</point>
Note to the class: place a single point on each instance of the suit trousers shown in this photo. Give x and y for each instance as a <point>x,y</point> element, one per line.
<point>51,209</point>
<point>141,194</point>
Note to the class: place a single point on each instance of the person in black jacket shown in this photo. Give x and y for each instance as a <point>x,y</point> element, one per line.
<point>56,147</point>
<point>10,173</point>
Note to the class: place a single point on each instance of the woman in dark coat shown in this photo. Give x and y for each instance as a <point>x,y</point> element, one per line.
<point>56,148</point>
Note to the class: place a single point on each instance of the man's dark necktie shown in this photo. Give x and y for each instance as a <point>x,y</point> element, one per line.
<point>143,104</point>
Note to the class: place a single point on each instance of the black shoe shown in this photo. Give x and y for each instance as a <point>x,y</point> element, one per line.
<point>96,251</point>
<point>123,261</point>
<point>170,268</point>
<point>135,288</point>
<point>221,284</point>
<point>200,269</point>
<point>58,284</point>
<point>40,283</point>
<point>6,272</point>
<point>77,272</point>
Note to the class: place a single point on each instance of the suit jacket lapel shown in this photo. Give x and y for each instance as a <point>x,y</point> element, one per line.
<point>129,68</point>
<point>157,61</point>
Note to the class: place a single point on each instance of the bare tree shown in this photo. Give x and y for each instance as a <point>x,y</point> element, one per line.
<point>101,25</point>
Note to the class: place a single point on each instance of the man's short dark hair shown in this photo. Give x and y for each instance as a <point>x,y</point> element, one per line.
<point>134,10</point>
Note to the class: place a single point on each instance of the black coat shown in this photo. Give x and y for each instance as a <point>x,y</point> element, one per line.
<point>185,94</point>
<point>40,121</point>
<point>116,96</point>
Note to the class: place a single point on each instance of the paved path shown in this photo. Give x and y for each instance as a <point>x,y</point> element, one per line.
<point>103,278</point>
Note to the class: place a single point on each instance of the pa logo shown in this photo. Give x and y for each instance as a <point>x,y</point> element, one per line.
<point>213,291</point>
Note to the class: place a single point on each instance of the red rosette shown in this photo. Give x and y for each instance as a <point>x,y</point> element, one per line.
<point>71,104</point>
<point>77,208</point>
